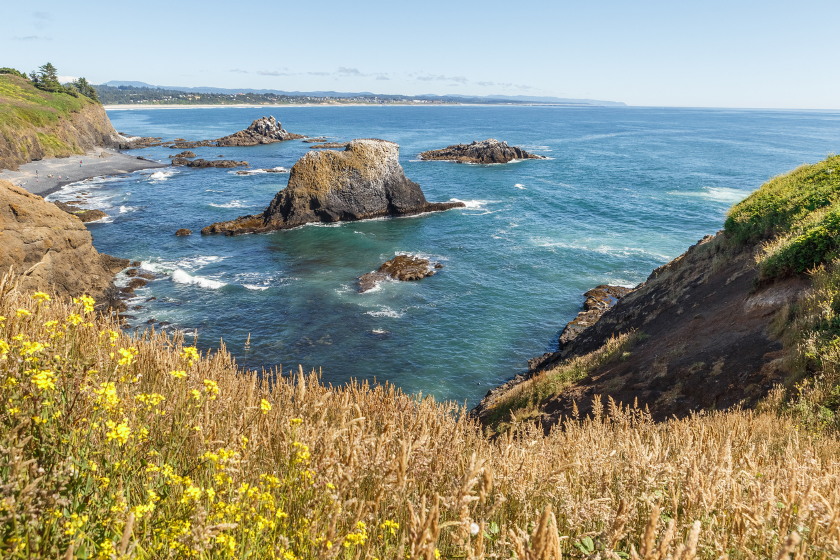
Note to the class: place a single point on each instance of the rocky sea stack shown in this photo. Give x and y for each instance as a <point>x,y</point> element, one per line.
<point>487,151</point>
<point>402,267</point>
<point>364,181</point>
<point>265,130</point>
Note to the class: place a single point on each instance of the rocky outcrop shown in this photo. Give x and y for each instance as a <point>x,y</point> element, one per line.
<point>51,250</point>
<point>487,151</point>
<point>364,181</point>
<point>84,214</point>
<point>402,267</point>
<point>265,130</point>
<point>137,142</point>
<point>184,154</point>
<point>202,163</point>
<point>329,146</point>
<point>183,232</point>
<point>38,124</point>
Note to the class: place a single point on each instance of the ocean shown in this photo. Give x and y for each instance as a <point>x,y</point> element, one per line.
<point>625,190</point>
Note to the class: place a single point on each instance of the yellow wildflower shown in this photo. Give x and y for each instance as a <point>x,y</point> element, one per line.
<point>74,319</point>
<point>23,313</point>
<point>190,353</point>
<point>295,421</point>
<point>44,380</point>
<point>390,526</point>
<point>128,355</point>
<point>41,296</point>
<point>178,374</point>
<point>4,349</point>
<point>120,432</point>
<point>107,395</point>
<point>211,388</point>
<point>265,406</point>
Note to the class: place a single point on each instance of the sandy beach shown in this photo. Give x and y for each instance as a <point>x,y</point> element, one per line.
<point>52,174</point>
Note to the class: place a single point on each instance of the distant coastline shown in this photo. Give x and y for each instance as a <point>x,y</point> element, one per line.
<point>122,107</point>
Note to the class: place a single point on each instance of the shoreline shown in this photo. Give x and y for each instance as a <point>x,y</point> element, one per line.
<point>99,162</point>
<point>290,105</point>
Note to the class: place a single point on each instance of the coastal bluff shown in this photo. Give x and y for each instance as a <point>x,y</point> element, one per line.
<point>50,250</point>
<point>485,152</point>
<point>364,181</point>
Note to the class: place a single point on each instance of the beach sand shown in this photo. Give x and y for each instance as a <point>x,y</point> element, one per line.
<point>99,162</point>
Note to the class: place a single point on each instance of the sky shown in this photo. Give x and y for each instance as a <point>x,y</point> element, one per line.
<point>733,53</point>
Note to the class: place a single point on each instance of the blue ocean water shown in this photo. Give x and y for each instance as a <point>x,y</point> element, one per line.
<point>625,190</point>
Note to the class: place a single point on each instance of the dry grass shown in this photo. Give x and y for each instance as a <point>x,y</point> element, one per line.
<point>110,453</point>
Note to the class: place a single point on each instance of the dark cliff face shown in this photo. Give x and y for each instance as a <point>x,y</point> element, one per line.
<point>703,340</point>
<point>364,181</point>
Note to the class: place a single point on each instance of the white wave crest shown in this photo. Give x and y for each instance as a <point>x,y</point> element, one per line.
<point>232,204</point>
<point>161,175</point>
<point>125,209</point>
<point>278,169</point>
<point>473,204</point>
<point>255,287</point>
<point>181,277</point>
<point>519,186</point>
<point>718,194</point>
<point>385,312</point>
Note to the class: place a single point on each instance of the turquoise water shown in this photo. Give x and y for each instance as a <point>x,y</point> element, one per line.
<point>625,190</point>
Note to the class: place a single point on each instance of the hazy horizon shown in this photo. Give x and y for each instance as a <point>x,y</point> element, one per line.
<point>719,54</point>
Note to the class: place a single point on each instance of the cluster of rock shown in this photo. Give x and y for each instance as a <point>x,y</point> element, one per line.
<point>329,146</point>
<point>184,154</point>
<point>402,267</point>
<point>364,181</point>
<point>487,151</point>
<point>265,130</point>
<point>134,143</point>
<point>84,214</point>
<point>51,250</point>
<point>203,163</point>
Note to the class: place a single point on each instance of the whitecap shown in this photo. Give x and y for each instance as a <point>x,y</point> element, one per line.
<point>181,277</point>
<point>519,186</point>
<point>246,172</point>
<point>232,204</point>
<point>255,287</point>
<point>161,175</point>
<point>718,194</point>
<point>379,331</point>
<point>125,209</point>
<point>385,312</point>
<point>473,204</point>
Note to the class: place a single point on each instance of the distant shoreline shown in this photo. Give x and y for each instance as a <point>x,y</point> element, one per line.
<point>290,105</point>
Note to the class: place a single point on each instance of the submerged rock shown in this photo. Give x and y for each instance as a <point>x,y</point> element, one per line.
<point>487,151</point>
<point>84,214</point>
<point>202,163</point>
<point>363,181</point>
<point>401,267</point>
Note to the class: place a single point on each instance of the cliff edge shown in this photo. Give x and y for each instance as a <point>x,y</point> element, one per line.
<point>364,181</point>
<point>713,329</point>
<point>36,124</point>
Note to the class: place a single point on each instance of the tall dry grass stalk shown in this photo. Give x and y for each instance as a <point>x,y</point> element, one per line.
<point>118,446</point>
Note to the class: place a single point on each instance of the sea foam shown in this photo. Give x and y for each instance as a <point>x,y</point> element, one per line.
<point>181,277</point>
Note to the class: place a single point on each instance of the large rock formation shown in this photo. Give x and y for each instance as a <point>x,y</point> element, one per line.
<point>49,249</point>
<point>84,214</point>
<point>487,151</point>
<point>262,131</point>
<point>265,130</point>
<point>364,181</point>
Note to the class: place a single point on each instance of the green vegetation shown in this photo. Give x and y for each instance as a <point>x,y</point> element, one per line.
<point>796,216</point>
<point>13,72</point>
<point>137,446</point>
<point>32,121</point>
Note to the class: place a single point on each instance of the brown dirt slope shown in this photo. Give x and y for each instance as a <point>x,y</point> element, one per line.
<point>704,339</point>
<point>35,124</point>
<point>49,249</point>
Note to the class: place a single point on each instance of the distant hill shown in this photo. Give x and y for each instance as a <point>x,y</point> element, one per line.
<point>483,99</point>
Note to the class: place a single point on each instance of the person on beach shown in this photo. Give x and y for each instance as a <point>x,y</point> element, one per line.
<point>80,163</point>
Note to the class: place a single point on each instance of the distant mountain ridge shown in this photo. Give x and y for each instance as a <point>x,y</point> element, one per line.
<point>483,98</point>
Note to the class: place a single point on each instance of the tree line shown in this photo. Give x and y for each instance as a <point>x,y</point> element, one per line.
<point>46,78</point>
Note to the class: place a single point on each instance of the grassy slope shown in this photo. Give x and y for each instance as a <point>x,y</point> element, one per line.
<point>117,446</point>
<point>26,111</point>
<point>793,222</point>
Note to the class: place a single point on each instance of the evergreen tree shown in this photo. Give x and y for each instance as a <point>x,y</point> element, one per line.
<point>86,89</point>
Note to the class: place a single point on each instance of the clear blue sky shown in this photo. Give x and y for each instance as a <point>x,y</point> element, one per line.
<point>702,54</point>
